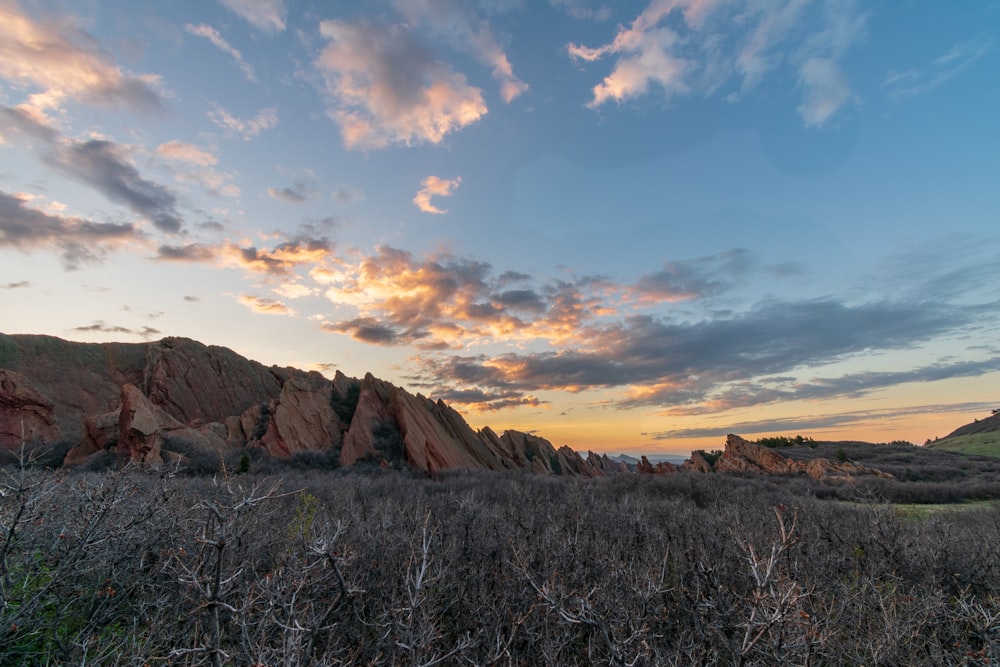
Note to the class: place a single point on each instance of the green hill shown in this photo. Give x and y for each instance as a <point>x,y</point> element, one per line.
<point>980,437</point>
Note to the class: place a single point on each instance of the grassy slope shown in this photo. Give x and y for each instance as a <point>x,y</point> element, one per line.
<point>980,437</point>
<point>984,444</point>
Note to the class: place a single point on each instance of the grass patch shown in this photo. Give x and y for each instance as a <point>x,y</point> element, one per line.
<point>925,511</point>
<point>982,444</point>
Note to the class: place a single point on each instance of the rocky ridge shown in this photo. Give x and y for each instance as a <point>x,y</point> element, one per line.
<point>743,456</point>
<point>158,402</point>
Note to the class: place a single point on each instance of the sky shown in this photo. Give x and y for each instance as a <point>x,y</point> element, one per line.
<point>627,226</point>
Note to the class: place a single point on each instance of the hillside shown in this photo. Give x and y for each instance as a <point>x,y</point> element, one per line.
<point>981,437</point>
<point>179,401</point>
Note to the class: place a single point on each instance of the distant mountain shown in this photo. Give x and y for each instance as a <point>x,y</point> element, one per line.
<point>178,400</point>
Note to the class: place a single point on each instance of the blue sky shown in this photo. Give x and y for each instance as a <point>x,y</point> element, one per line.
<point>629,226</point>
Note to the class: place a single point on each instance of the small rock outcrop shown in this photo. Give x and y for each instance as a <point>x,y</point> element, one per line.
<point>741,455</point>
<point>644,467</point>
<point>146,432</point>
<point>25,415</point>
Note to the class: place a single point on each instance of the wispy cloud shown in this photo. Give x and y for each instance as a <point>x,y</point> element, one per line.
<point>815,422</point>
<point>696,47</point>
<point>583,9</point>
<point>939,71</point>
<point>185,152</point>
<point>265,119</point>
<point>195,166</point>
<point>60,61</point>
<point>265,15</point>
<point>191,252</point>
<point>297,193</point>
<point>692,279</point>
<point>435,186</point>
<point>146,333</point>
<point>456,23</point>
<point>264,305</point>
<point>345,195</point>
<point>385,88</point>
<point>20,284</point>
<point>212,35</point>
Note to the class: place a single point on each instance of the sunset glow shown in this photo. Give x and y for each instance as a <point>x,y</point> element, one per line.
<point>627,227</point>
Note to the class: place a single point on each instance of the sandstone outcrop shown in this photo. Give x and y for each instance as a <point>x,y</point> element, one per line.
<point>100,434</point>
<point>644,467</point>
<point>697,463</point>
<point>177,398</point>
<point>194,383</point>
<point>25,415</point>
<point>741,455</point>
<point>604,463</point>
<point>146,432</point>
<point>198,384</point>
<point>302,419</point>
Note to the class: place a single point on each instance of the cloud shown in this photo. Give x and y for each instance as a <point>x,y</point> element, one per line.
<point>18,285</point>
<point>371,330</point>
<point>942,69</point>
<point>693,279</point>
<point>280,261</point>
<point>184,152</point>
<point>696,47</point>
<point>345,195</point>
<point>264,306</point>
<point>105,166</point>
<point>192,299</point>
<point>265,15</point>
<point>455,22</point>
<point>385,88</point>
<point>61,61</point>
<point>476,400</point>
<point>296,194</point>
<point>102,165</point>
<point>212,35</point>
<point>147,333</point>
<point>79,240</point>
<point>826,90</point>
<point>265,119</point>
<point>193,165</point>
<point>693,363</point>
<point>434,186</point>
<point>192,252</point>
<point>444,301</point>
<point>582,9</point>
<point>815,422</point>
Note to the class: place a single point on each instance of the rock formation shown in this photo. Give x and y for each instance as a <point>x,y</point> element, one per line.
<point>644,467</point>
<point>741,455</point>
<point>175,399</point>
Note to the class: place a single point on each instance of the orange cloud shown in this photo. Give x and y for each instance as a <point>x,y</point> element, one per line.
<point>63,62</point>
<point>386,89</point>
<point>185,152</point>
<point>434,186</point>
<point>264,306</point>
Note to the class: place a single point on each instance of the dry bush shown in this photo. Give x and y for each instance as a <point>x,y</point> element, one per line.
<point>330,568</point>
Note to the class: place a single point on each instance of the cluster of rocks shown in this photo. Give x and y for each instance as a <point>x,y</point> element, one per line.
<point>141,400</point>
<point>743,456</point>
